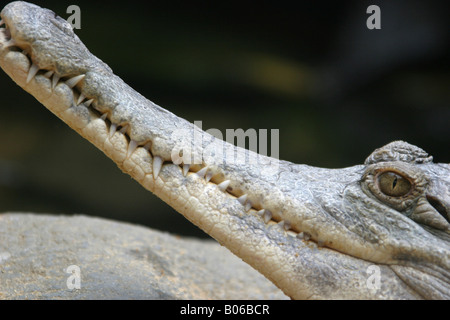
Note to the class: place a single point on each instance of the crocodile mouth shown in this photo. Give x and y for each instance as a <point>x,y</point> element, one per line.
<point>27,74</point>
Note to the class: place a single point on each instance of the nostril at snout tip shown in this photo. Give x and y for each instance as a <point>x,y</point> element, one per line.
<point>441,207</point>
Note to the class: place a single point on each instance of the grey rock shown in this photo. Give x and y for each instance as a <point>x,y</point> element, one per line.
<point>117,261</point>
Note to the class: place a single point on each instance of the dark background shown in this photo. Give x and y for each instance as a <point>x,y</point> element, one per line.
<point>313,70</point>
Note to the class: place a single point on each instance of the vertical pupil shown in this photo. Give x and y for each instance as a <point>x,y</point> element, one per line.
<point>394,183</point>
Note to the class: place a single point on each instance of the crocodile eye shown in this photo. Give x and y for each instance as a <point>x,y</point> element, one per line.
<point>397,184</point>
<point>393,184</point>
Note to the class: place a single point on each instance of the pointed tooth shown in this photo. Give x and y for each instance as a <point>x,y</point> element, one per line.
<point>208,176</point>
<point>124,129</point>
<point>103,117</point>
<point>131,147</point>
<point>248,206</point>
<point>32,72</point>
<point>304,236</point>
<point>80,98</point>
<point>261,212</point>
<point>55,80</point>
<point>157,165</point>
<point>112,129</point>
<point>186,168</point>
<point>2,22</point>
<point>72,82</point>
<point>242,199</point>
<point>287,225</point>
<point>201,173</point>
<point>267,216</point>
<point>89,102</point>
<point>48,74</point>
<point>291,233</point>
<point>224,185</point>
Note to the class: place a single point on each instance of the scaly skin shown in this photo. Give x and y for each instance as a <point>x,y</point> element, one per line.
<point>316,233</point>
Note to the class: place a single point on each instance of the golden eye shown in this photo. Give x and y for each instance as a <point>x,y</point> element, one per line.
<point>393,184</point>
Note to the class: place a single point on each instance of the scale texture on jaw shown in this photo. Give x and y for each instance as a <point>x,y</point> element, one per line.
<point>314,232</point>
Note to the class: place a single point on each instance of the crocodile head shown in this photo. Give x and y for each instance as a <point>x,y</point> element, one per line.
<point>375,230</point>
<point>401,205</point>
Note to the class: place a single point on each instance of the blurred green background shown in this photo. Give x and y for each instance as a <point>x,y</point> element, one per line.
<point>313,70</point>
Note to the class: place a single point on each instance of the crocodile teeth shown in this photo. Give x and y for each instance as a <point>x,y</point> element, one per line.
<point>242,199</point>
<point>124,129</point>
<point>32,72</point>
<point>2,22</point>
<point>186,168</point>
<point>131,147</point>
<point>72,82</point>
<point>208,176</point>
<point>201,173</point>
<point>89,102</point>
<point>304,236</point>
<point>284,225</point>
<point>55,80</point>
<point>267,216</point>
<point>248,206</point>
<point>103,117</point>
<point>224,185</point>
<point>157,165</point>
<point>80,98</point>
<point>48,74</point>
<point>112,129</point>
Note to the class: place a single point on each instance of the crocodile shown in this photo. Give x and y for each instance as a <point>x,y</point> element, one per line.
<point>377,230</point>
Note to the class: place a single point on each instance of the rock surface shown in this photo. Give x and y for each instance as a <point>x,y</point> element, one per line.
<point>117,261</point>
